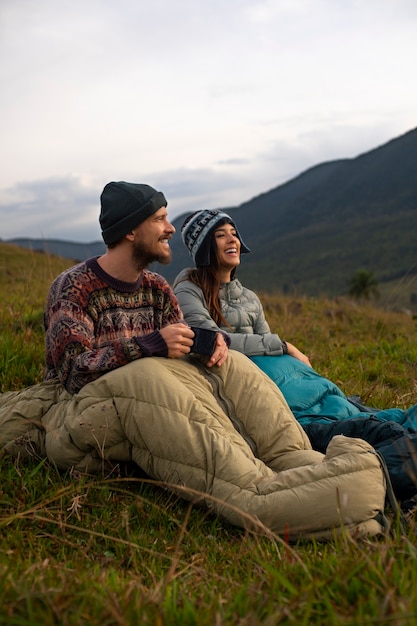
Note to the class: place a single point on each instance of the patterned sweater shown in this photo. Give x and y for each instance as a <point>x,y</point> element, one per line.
<point>95,323</point>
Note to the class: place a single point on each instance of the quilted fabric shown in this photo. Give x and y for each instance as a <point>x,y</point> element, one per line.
<point>224,437</point>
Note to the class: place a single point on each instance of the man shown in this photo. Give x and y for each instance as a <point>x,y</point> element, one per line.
<point>125,381</point>
<point>107,312</point>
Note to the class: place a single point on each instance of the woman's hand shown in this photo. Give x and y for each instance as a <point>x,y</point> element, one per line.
<point>220,353</point>
<point>297,354</point>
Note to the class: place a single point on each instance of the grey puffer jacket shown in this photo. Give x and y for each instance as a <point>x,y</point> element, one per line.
<point>249,332</point>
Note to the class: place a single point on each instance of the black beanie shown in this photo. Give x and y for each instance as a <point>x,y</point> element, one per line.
<point>126,205</point>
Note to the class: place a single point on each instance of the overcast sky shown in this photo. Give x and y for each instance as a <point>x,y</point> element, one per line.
<point>210,101</point>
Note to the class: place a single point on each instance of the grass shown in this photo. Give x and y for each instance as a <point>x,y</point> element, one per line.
<point>24,280</point>
<point>120,550</point>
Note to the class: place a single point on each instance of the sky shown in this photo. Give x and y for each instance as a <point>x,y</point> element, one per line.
<point>212,102</point>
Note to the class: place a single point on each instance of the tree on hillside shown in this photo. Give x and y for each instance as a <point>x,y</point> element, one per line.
<point>363,285</point>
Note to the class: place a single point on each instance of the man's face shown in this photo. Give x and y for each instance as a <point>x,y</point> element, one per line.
<point>151,241</point>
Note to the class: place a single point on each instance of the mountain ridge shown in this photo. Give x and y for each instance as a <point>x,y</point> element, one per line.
<point>310,234</point>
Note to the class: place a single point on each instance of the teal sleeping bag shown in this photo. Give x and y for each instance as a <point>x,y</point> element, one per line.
<point>312,397</point>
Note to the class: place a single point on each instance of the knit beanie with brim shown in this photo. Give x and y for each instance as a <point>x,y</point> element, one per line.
<point>126,205</point>
<point>197,230</point>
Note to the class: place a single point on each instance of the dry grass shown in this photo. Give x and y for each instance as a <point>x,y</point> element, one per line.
<point>118,550</point>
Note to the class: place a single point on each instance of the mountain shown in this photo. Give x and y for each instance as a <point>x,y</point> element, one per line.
<point>58,247</point>
<point>310,235</point>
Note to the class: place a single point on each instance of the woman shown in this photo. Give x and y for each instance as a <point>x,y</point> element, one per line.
<point>211,296</point>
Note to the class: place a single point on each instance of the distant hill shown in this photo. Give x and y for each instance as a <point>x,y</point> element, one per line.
<point>66,249</point>
<point>311,234</point>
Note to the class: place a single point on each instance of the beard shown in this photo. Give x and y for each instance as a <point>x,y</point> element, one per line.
<point>143,256</point>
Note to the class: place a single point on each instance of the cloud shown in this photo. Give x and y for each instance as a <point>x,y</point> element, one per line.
<point>213,102</point>
<point>68,207</point>
<point>57,207</point>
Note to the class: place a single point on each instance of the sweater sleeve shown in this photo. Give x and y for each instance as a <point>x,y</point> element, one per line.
<point>76,356</point>
<point>196,313</point>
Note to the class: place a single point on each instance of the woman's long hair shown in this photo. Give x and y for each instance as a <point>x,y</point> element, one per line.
<point>207,278</point>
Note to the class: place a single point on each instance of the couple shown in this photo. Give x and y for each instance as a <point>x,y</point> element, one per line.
<point>128,379</point>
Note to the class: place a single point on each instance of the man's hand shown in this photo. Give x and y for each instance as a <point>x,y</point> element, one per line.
<point>220,353</point>
<point>179,339</point>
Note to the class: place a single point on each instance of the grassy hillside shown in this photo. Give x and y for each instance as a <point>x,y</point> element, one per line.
<point>116,550</point>
<point>333,332</point>
<point>24,280</point>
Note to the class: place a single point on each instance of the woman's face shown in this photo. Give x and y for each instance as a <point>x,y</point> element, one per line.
<point>227,247</point>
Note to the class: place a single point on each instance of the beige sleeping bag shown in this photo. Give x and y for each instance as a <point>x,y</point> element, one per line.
<point>222,436</point>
